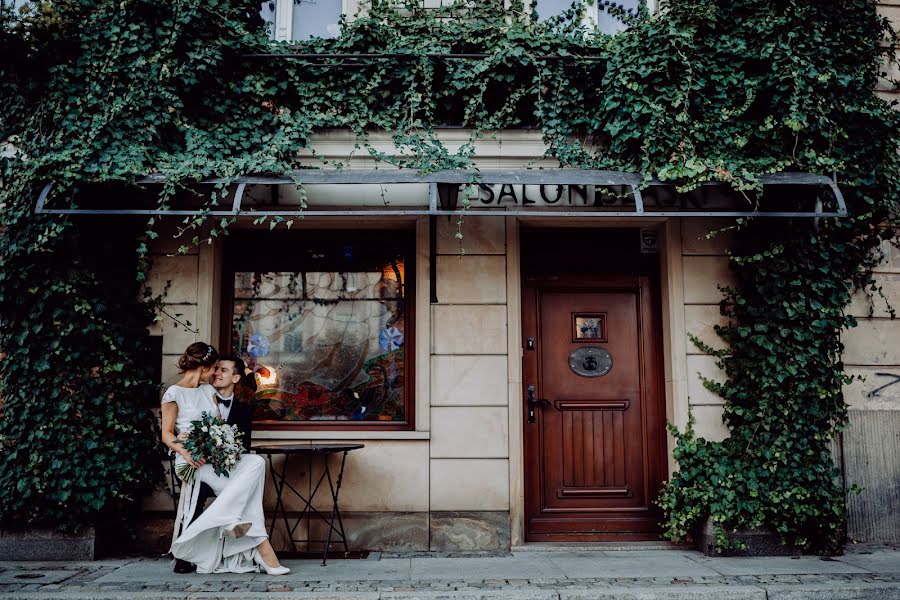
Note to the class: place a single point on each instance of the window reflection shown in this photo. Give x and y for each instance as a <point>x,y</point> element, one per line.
<point>606,22</point>
<point>325,345</point>
<point>267,15</point>
<point>316,18</point>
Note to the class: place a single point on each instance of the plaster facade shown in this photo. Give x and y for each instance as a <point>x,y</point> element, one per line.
<point>456,480</point>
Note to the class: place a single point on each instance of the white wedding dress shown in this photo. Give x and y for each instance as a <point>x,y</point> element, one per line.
<point>239,499</point>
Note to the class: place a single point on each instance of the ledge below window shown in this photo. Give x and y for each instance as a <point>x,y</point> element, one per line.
<point>300,435</point>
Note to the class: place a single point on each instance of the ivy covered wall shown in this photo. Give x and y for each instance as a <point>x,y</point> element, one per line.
<point>95,91</point>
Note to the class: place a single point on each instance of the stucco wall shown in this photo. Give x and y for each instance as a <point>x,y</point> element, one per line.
<point>871,442</point>
<point>705,267</point>
<point>886,89</point>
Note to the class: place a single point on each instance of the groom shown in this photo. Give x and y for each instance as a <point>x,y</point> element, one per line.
<point>229,372</point>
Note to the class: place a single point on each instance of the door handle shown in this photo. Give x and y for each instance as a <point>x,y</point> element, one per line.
<point>533,403</point>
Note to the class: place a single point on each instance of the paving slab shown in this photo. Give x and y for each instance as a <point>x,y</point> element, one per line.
<point>301,570</point>
<point>477,569</point>
<point>41,576</point>
<point>590,565</point>
<point>830,591</point>
<point>777,565</point>
<point>386,569</point>
<point>473,595</point>
<point>877,561</point>
<point>636,554</point>
<point>156,571</point>
<point>67,565</point>
<point>697,592</point>
<point>596,546</point>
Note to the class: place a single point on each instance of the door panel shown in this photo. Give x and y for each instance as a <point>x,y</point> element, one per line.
<point>593,452</point>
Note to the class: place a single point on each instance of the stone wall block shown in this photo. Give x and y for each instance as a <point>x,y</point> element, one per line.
<point>167,243</point>
<point>176,336</point>
<point>702,277</point>
<point>700,320</point>
<point>383,476</point>
<point>873,342</point>
<point>468,329</point>
<point>703,366</point>
<point>170,373</point>
<point>694,240</point>
<point>469,432</point>
<point>481,235</point>
<point>469,531</point>
<point>708,423</point>
<point>182,271</point>
<point>379,531</point>
<point>875,392</point>
<point>469,484</point>
<point>468,380</point>
<point>861,304</point>
<point>471,279</point>
<point>297,475</point>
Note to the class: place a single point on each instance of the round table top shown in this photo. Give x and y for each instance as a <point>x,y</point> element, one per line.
<point>306,448</point>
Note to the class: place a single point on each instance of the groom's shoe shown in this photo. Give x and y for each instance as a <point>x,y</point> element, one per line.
<point>183,566</point>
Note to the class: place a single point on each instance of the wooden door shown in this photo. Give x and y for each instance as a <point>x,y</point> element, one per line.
<point>594,453</point>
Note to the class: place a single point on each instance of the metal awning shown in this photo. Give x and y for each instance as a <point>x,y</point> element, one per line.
<point>444,185</point>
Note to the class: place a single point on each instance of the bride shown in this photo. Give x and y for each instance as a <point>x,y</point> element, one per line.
<point>229,536</point>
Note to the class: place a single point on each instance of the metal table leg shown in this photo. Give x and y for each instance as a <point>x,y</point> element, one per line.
<point>279,482</point>
<point>335,511</point>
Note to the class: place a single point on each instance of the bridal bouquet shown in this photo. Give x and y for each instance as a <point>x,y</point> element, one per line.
<point>212,440</point>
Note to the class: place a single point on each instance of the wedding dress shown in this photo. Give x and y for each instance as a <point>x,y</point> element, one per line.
<point>239,499</point>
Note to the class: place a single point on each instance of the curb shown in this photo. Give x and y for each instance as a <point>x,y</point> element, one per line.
<point>821,591</point>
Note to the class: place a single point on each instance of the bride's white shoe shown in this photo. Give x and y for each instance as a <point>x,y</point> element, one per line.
<point>237,530</point>
<point>280,570</point>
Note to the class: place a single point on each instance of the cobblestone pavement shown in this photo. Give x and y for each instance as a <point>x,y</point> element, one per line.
<point>864,573</point>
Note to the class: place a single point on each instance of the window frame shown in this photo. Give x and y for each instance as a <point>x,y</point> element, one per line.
<point>591,17</point>
<point>284,18</point>
<point>233,262</point>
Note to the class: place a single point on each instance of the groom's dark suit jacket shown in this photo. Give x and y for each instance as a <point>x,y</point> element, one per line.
<point>241,414</point>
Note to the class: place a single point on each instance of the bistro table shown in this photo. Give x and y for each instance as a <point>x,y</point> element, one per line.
<point>279,480</point>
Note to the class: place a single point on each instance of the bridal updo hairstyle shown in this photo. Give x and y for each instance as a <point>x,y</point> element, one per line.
<point>198,354</point>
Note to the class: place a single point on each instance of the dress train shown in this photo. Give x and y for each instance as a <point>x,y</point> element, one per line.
<point>238,499</point>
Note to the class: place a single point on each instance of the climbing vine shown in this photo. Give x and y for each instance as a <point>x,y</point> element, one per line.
<point>99,93</point>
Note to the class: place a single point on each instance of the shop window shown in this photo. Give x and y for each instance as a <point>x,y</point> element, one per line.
<point>597,14</point>
<point>324,322</point>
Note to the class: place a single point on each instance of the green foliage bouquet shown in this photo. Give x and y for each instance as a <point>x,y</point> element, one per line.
<point>212,440</point>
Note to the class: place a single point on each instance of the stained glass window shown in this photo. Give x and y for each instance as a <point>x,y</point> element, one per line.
<point>327,339</point>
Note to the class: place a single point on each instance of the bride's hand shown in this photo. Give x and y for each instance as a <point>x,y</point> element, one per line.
<point>190,460</point>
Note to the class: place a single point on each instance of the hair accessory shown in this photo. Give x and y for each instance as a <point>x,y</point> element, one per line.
<point>209,352</point>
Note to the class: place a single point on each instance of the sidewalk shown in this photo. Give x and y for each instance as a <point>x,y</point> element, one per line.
<point>865,573</point>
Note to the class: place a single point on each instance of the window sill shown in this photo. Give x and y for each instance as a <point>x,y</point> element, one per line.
<point>295,435</point>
